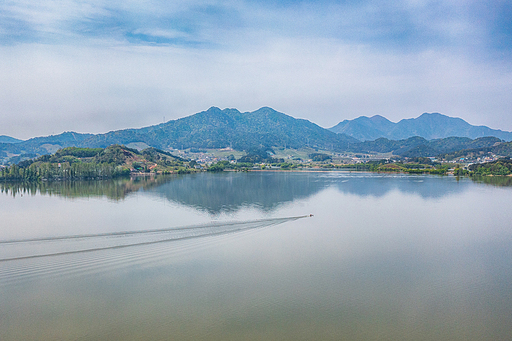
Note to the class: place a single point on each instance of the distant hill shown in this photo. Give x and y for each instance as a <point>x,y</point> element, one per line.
<point>427,135</point>
<point>74,163</point>
<point>213,128</point>
<point>216,128</point>
<point>429,126</point>
<point>501,149</point>
<point>365,128</point>
<point>8,139</point>
<point>420,147</point>
<point>46,144</point>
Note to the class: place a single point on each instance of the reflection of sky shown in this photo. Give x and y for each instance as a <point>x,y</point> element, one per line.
<point>424,258</point>
<point>228,192</point>
<point>216,193</point>
<point>427,187</point>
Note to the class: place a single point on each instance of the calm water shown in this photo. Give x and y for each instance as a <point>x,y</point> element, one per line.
<point>385,257</point>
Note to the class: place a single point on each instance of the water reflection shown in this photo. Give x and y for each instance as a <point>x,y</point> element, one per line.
<point>114,189</point>
<point>386,257</point>
<point>225,192</point>
<point>228,192</point>
<point>499,181</point>
<point>428,187</point>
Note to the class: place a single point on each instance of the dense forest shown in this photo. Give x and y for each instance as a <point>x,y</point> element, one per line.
<point>75,163</point>
<point>498,167</point>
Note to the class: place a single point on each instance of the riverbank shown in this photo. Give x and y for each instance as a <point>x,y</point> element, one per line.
<point>119,161</point>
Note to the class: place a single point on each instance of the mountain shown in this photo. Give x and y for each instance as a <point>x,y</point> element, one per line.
<point>41,145</point>
<point>68,138</point>
<point>421,147</point>
<point>74,163</point>
<point>8,139</point>
<point>429,126</point>
<point>501,149</point>
<point>216,128</point>
<point>364,128</point>
<point>213,128</point>
<point>427,135</point>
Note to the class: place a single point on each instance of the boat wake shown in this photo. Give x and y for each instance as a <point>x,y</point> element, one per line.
<point>77,254</point>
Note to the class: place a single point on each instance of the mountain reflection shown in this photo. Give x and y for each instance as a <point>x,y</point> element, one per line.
<point>229,191</point>
<point>114,189</point>
<point>377,185</point>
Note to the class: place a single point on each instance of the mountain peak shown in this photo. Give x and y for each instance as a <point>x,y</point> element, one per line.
<point>8,139</point>
<point>436,114</point>
<point>379,119</point>
<point>427,125</point>
<point>213,109</point>
<point>265,110</point>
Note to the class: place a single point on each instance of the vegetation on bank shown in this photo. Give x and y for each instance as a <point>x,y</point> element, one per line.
<point>74,163</point>
<point>498,167</point>
<point>421,166</point>
<point>246,166</point>
<point>115,189</point>
<point>413,166</point>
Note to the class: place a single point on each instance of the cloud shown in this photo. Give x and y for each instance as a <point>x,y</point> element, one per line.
<point>96,66</point>
<point>401,25</point>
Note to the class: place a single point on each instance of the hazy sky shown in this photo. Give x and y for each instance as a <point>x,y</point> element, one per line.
<point>95,66</point>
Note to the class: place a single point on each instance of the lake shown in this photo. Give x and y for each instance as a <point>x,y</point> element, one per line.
<point>236,256</point>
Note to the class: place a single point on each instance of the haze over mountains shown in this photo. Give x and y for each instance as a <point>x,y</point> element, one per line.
<point>8,139</point>
<point>429,126</point>
<point>267,128</point>
<point>213,128</point>
<point>216,128</point>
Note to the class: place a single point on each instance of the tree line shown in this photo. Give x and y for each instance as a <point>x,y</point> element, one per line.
<point>62,171</point>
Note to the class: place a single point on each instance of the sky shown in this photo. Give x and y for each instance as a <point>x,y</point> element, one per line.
<point>94,66</point>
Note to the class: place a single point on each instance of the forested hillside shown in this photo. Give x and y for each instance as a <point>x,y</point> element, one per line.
<point>429,126</point>
<point>428,136</point>
<point>95,163</point>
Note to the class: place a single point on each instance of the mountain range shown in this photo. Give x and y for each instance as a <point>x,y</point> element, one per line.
<point>420,147</point>
<point>266,128</point>
<point>216,128</point>
<point>429,126</point>
<point>213,128</point>
<point>8,139</point>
